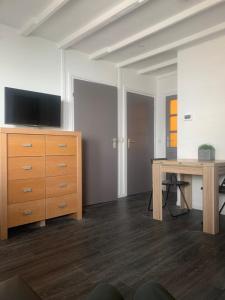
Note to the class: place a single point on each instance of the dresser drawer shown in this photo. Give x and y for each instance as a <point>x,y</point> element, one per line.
<point>26,145</point>
<point>23,213</point>
<point>26,190</point>
<point>60,185</point>
<point>60,145</point>
<point>60,165</point>
<point>59,206</point>
<point>26,167</point>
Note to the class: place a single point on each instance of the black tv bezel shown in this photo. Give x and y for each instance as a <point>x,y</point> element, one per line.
<point>30,124</point>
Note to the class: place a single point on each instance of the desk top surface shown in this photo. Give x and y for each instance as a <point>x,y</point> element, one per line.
<point>190,162</point>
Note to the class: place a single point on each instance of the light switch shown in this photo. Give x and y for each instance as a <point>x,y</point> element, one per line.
<point>187,117</point>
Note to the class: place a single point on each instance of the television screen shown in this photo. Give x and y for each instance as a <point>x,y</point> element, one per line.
<point>32,108</point>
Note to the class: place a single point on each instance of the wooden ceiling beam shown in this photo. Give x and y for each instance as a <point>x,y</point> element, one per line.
<point>158,66</point>
<point>106,18</point>
<point>173,46</point>
<point>37,21</point>
<point>188,13</point>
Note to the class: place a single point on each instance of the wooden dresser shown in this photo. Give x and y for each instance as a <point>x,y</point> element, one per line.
<point>41,176</point>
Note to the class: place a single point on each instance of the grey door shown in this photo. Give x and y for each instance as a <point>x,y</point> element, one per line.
<point>140,132</point>
<point>171,127</point>
<point>96,117</point>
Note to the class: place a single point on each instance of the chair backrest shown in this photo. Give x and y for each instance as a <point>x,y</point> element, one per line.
<point>223,183</point>
<point>222,187</point>
<point>173,177</point>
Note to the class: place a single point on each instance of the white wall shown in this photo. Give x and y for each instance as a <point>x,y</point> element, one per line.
<point>201,92</point>
<point>166,86</point>
<point>27,63</point>
<point>139,83</point>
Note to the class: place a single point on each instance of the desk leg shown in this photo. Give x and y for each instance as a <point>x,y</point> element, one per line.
<point>210,200</point>
<point>187,190</point>
<point>157,192</point>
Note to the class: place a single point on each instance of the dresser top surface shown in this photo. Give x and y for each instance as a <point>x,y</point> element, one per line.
<point>17,130</point>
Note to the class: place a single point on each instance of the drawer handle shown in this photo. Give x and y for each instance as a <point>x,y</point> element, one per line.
<point>27,145</point>
<point>27,190</point>
<point>27,168</point>
<point>62,205</point>
<point>63,185</point>
<point>62,165</point>
<point>62,145</point>
<point>27,212</point>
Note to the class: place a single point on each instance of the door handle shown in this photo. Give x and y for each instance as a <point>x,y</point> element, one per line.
<point>130,141</point>
<point>114,141</point>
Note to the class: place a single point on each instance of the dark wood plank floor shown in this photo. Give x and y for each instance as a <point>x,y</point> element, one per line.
<point>119,244</point>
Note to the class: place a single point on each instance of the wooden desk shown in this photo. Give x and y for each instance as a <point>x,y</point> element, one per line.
<point>210,171</point>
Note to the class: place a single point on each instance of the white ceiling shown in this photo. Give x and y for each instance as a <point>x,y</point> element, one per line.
<point>16,13</point>
<point>143,36</point>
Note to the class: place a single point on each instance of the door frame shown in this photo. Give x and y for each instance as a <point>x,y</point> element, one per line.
<point>125,154</point>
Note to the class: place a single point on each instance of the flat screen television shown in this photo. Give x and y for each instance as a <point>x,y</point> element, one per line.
<point>32,108</point>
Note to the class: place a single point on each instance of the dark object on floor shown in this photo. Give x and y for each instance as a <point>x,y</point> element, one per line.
<point>152,291</point>
<point>105,292</point>
<point>222,191</point>
<point>148,291</point>
<point>16,289</point>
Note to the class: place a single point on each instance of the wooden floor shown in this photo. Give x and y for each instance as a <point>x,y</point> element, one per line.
<point>118,243</point>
